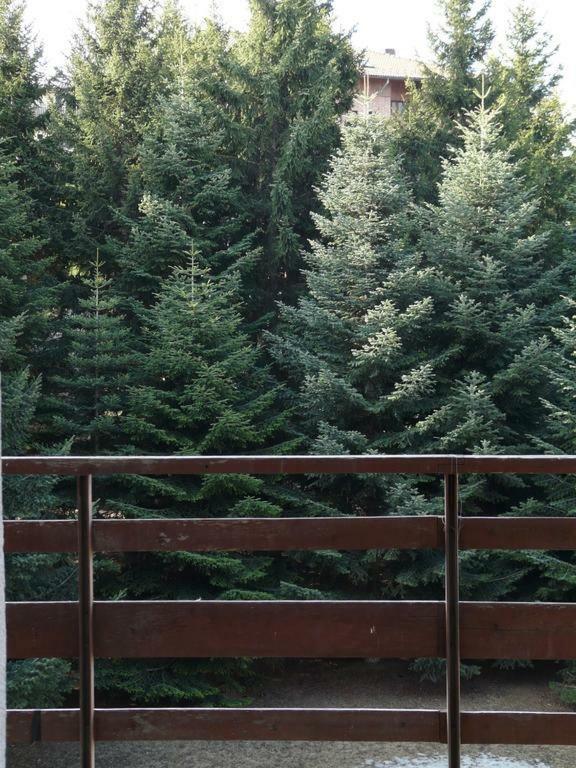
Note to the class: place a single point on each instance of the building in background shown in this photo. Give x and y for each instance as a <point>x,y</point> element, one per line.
<point>382,88</point>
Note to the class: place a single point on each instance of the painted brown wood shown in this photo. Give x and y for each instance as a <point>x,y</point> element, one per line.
<point>544,631</point>
<point>40,536</point>
<point>274,725</point>
<point>234,724</point>
<point>435,464</point>
<point>545,533</point>
<point>452,618</point>
<point>283,534</point>
<point>198,465</point>
<point>290,629</point>
<point>42,630</point>
<point>86,621</point>
<point>23,726</point>
<point>556,728</point>
<point>539,465</point>
<point>244,534</point>
<point>294,629</point>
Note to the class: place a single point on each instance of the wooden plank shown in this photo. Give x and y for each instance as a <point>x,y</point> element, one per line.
<point>530,465</point>
<point>283,534</point>
<point>290,629</point>
<point>294,629</point>
<point>24,726</point>
<point>545,533</point>
<point>47,630</point>
<point>558,728</point>
<point>435,464</point>
<point>244,534</point>
<point>273,725</point>
<point>234,724</point>
<point>200,465</point>
<point>544,631</point>
<point>40,536</point>
<point>374,725</point>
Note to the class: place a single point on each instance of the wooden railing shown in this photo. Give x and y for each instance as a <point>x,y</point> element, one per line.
<point>315,629</point>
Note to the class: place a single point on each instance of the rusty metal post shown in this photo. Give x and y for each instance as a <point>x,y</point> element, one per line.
<point>451,523</point>
<point>85,621</point>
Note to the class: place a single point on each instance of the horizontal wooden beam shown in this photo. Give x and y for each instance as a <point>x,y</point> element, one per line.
<point>294,629</point>
<point>544,631</point>
<point>284,534</point>
<point>543,533</point>
<point>199,465</point>
<point>555,728</point>
<point>243,534</point>
<point>284,629</point>
<point>433,464</point>
<point>232,724</point>
<point>374,725</point>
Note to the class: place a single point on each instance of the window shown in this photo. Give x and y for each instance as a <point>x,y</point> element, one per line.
<point>397,106</point>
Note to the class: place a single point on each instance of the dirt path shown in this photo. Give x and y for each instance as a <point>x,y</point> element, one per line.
<point>352,684</point>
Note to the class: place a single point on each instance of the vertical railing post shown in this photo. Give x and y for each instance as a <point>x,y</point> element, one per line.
<point>451,529</point>
<point>85,621</point>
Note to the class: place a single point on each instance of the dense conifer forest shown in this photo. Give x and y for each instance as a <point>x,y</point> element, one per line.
<point>202,252</point>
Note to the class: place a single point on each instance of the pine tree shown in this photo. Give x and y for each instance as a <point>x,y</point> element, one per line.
<point>21,91</point>
<point>507,293</point>
<point>534,120</point>
<point>28,132</point>
<point>202,389</point>
<point>360,352</point>
<point>560,437</point>
<point>115,79</point>
<point>427,128</point>
<point>87,395</point>
<point>441,352</point>
<point>24,293</point>
<point>497,328</point>
<point>298,77</point>
<point>188,202</point>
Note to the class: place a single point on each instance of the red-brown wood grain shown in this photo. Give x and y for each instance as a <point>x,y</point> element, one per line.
<point>295,724</point>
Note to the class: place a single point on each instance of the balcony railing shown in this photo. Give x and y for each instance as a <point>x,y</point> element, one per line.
<point>292,629</point>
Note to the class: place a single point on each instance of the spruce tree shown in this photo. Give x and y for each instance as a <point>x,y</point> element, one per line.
<point>298,78</point>
<point>534,121</point>
<point>202,389</point>
<point>115,79</point>
<point>189,200</point>
<point>24,291</point>
<point>560,437</point>
<point>427,128</point>
<point>445,351</point>
<point>25,305</point>
<point>21,91</point>
<point>361,355</point>
<point>507,295</point>
<point>87,395</point>
<point>26,193</point>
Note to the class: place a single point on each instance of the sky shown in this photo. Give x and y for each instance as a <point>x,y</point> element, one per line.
<point>377,25</point>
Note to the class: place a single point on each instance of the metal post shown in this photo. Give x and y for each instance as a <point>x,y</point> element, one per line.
<point>85,623</point>
<point>451,522</point>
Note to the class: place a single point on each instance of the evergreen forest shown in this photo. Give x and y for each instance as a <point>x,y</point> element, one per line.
<point>203,251</point>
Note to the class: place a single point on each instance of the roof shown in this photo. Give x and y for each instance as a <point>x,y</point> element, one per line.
<point>389,65</point>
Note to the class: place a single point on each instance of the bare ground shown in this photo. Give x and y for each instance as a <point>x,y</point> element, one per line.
<point>348,684</point>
